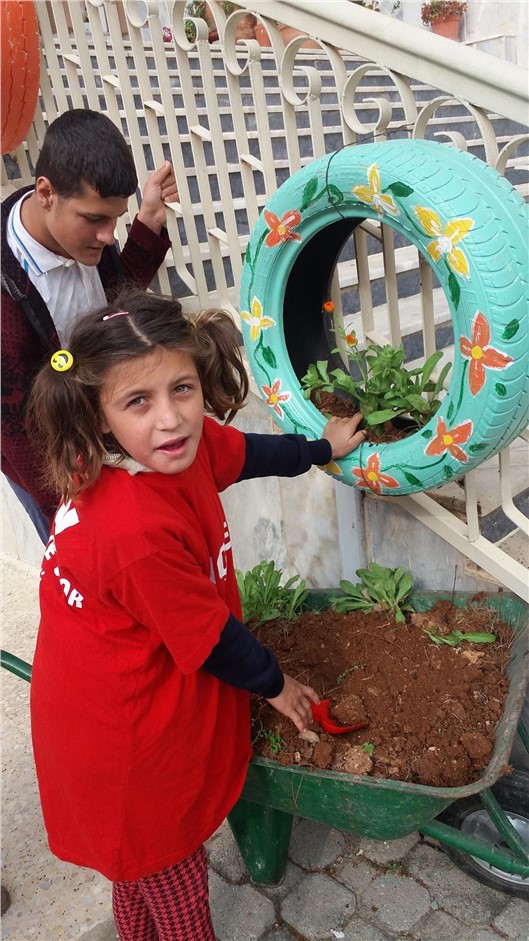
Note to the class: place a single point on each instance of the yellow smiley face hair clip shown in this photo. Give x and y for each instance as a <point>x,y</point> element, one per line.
<point>62,360</point>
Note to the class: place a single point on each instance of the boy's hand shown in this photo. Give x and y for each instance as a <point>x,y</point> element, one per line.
<point>294,702</point>
<point>159,189</point>
<point>343,434</point>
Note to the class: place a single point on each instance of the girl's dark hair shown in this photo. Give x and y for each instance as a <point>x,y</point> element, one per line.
<point>83,147</point>
<point>64,414</point>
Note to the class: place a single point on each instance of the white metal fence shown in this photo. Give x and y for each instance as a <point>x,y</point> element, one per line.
<point>236,120</point>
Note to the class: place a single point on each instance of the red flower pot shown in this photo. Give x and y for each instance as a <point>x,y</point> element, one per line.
<point>449,28</point>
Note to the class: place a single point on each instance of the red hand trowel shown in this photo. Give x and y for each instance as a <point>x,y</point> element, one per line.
<point>320,714</point>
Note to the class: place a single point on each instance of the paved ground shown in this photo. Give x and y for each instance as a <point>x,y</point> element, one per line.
<point>336,887</point>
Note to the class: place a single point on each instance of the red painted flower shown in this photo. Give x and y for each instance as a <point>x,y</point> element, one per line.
<point>281,230</point>
<point>449,440</point>
<point>481,355</point>
<point>274,396</point>
<point>371,476</point>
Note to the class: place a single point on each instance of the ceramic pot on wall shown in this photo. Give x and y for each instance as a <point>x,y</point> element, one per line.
<point>261,34</point>
<point>449,28</point>
<point>290,32</point>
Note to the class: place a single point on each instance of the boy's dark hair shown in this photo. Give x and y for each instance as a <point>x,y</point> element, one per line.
<point>64,412</point>
<point>83,147</point>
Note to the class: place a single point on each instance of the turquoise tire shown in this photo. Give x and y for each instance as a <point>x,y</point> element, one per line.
<point>472,227</point>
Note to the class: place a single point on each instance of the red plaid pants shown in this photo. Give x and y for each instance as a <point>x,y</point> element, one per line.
<point>171,905</point>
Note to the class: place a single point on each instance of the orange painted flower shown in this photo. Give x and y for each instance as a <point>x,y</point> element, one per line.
<point>481,355</point>
<point>328,307</point>
<point>281,230</point>
<point>274,396</point>
<point>449,440</point>
<point>371,476</point>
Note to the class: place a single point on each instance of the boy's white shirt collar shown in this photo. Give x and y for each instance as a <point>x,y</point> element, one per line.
<point>29,253</point>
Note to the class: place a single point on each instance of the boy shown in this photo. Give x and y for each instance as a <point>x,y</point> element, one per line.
<point>59,260</point>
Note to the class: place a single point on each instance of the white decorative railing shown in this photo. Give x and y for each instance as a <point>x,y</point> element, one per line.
<point>237,120</point>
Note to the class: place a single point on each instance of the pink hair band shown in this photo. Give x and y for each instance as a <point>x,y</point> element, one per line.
<point>118,313</point>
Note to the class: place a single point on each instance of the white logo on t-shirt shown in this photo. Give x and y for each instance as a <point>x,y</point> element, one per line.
<point>65,517</point>
<point>222,566</point>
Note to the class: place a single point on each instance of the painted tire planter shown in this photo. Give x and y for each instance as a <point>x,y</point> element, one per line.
<point>20,70</point>
<point>471,226</point>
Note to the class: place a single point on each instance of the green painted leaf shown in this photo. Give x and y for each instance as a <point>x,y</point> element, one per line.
<point>399,189</point>
<point>335,194</point>
<point>427,433</point>
<point>309,192</point>
<point>500,390</point>
<point>510,330</point>
<point>450,411</point>
<point>412,479</point>
<point>454,288</point>
<point>447,471</point>
<point>269,357</point>
<point>477,447</point>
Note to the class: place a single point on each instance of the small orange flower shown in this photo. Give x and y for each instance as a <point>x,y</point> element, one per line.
<point>351,339</point>
<point>449,440</point>
<point>328,307</point>
<point>274,396</point>
<point>481,355</point>
<point>281,230</point>
<point>371,476</point>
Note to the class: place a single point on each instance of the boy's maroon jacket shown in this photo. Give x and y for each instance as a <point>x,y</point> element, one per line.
<point>29,338</point>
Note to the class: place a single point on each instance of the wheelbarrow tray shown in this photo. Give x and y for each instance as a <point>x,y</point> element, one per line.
<point>380,808</point>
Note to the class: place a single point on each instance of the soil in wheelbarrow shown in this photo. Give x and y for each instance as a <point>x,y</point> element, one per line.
<point>328,403</point>
<point>432,709</point>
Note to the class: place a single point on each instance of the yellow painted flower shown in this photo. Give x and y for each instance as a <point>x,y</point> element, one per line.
<point>256,320</point>
<point>445,240</point>
<point>332,467</point>
<point>372,194</point>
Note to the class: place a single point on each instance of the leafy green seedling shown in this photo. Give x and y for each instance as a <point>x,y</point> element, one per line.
<point>381,385</point>
<point>263,598</point>
<point>380,589</point>
<point>457,637</point>
<point>368,747</point>
<point>341,676</point>
<point>275,741</point>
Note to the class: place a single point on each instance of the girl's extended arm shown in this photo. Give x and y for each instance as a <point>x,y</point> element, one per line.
<point>291,455</point>
<point>240,660</point>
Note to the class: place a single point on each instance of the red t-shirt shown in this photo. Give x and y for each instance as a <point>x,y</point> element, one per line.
<point>140,754</point>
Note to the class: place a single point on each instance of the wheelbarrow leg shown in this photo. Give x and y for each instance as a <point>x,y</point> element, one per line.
<point>263,837</point>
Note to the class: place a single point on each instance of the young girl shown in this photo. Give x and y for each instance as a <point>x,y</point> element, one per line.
<point>139,693</point>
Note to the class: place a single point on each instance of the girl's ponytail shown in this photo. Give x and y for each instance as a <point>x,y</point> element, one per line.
<point>223,375</point>
<point>63,419</point>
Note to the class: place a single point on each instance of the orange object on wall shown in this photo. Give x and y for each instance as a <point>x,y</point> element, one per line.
<point>20,70</point>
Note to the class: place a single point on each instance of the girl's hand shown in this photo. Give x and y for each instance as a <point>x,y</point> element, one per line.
<point>343,434</point>
<point>294,702</point>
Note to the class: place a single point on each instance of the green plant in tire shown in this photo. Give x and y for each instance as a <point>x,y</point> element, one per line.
<point>379,589</point>
<point>263,598</point>
<point>385,389</point>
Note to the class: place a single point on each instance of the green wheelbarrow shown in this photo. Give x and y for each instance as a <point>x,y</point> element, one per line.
<point>484,825</point>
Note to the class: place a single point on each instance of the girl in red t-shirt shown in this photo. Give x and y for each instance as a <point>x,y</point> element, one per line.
<point>143,667</point>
